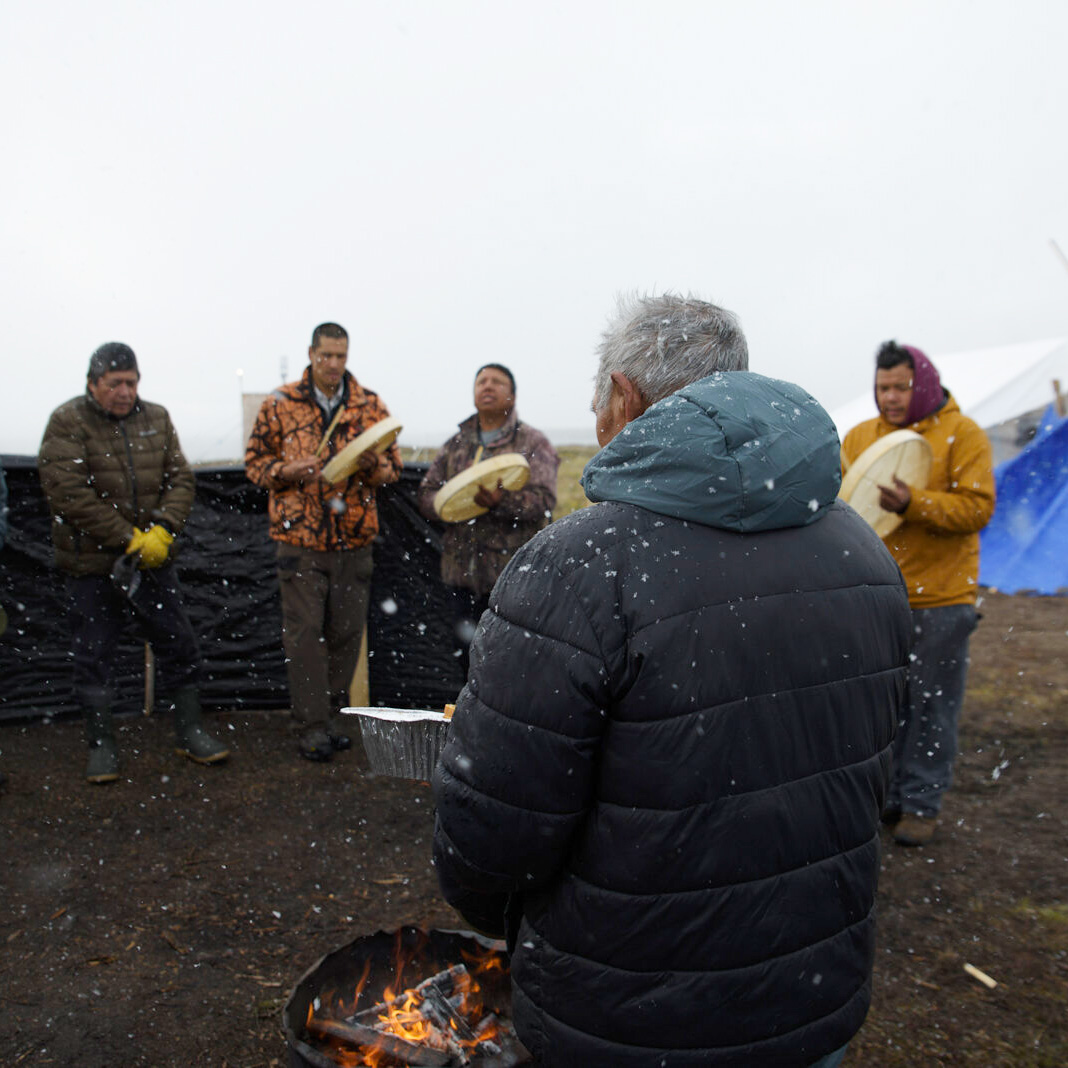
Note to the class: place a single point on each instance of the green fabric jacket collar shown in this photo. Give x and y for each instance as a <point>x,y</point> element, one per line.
<point>735,450</point>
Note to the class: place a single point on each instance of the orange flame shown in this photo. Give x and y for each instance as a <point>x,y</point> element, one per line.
<point>402,1017</point>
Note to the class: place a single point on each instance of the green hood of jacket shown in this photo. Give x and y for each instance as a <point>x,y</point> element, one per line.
<point>735,450</point>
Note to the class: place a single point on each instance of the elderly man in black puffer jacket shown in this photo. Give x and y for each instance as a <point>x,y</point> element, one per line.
<point>664,777</point>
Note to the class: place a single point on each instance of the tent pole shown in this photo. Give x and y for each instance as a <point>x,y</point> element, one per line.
<point>1060,255</point>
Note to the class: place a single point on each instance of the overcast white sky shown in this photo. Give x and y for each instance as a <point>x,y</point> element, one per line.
<point>461,182</point>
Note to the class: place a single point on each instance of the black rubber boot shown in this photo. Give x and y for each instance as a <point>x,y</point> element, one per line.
<point>314,744</point>
<point>103,764</point>
<point>194,741</point>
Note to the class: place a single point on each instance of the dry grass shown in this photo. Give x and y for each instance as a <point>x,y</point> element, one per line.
<point>422,454</point>
<point>569,495</point>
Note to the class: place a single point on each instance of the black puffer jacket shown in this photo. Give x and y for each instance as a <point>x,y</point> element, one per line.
<point>103,476</point>
<point>673,749</point>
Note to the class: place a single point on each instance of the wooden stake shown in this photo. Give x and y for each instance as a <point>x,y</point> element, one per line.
<point>150,679</point>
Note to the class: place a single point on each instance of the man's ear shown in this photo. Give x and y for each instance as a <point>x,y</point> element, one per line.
<point>634,404</point>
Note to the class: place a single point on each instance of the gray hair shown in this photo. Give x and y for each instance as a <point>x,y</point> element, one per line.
<point>664,343</point>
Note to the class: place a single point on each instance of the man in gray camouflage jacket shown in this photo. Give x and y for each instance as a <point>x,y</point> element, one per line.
<point>475,552</point>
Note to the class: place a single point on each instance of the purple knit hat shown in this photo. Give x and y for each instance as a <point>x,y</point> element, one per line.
<point>927,392</point>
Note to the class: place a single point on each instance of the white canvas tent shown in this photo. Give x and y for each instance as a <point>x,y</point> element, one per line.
<point>992,386</point>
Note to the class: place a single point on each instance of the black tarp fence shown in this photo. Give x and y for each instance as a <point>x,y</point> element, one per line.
<point>226,564</point>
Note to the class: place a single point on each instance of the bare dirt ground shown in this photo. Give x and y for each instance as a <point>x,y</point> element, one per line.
<point>164,919</point>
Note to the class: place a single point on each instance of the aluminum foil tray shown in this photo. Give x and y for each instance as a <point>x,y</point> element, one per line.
<point>401,742</point>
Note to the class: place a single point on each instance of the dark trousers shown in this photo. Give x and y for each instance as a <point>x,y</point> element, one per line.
<point>99,612</point>
<point>925,746</point>
<point>324,610</point>
<point>465,610</point>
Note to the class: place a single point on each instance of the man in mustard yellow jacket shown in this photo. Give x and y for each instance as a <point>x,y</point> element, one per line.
<point>937,549</point>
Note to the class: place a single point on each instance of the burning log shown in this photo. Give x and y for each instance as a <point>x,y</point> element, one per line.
<point>444,981</point>
<point>456,1018</point>
<point>439,1008</point>
<point>447,1015</point>
<point>433,1010</point>
<point>360,1037</point>
<point>488,1025</point>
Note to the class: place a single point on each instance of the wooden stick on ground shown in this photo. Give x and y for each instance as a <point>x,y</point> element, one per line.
<point>983,978</point>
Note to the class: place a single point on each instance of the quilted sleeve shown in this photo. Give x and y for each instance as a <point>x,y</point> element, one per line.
<point>516,777</point>
<point>68,483</point>
<point>433,480</point>
<point>263,454</point>
<point>968,504</point>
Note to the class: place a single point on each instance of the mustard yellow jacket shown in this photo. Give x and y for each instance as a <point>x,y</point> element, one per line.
<point>937,546</point>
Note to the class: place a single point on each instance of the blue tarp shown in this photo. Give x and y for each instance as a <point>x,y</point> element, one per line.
<point>1025,545</point>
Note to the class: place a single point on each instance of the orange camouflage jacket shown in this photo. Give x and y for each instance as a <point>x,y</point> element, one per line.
<point>317,515</point>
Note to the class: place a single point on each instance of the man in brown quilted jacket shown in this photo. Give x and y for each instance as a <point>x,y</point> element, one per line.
<point>120,492</point>
<point>323,530</point>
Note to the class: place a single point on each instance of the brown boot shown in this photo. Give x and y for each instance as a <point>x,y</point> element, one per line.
<point>914,830</point>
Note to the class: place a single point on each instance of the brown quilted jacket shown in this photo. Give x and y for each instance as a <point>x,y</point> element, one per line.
<point>103,476</point>
<point>317,515</point>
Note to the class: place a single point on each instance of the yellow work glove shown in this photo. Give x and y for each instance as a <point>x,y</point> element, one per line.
<point>155,545</point>
<point>137,541</point>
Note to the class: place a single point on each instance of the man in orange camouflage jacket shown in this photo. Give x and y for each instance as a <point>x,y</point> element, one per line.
<point>323,531</point>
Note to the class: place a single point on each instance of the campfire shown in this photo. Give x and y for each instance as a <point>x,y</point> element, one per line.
<point>419,998</point>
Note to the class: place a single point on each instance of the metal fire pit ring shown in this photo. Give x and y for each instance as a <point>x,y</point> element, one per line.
<point>334,978</point>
